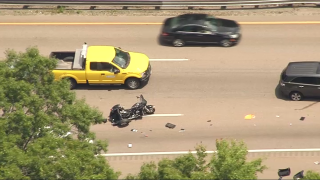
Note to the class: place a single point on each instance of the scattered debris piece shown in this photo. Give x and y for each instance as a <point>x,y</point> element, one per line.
<point>134,130</point>
<point>182,130</point>
<point>317,162</point>
<point>302,118</point>
<point>129,145</point>
<point>170,126</point>
<point>150,130</point>
<point>249,117</point>
<point>209,121</point>
<point>277,116</point>
<point>290,124</point>
<point>210,124</point>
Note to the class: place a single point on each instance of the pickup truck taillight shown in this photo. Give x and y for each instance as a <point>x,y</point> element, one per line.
<point>165,34</point>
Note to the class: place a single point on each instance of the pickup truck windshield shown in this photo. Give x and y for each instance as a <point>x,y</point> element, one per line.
<point>122,59</point>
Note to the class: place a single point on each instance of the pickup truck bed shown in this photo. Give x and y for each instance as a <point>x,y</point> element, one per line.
<point>68,60</point>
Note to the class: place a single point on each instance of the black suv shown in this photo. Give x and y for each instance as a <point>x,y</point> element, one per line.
<point>301,79</point>
<point>199,29</point>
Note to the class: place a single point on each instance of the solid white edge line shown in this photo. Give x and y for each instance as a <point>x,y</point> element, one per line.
<point>209,152</point>
<point>163,115</point>
<point>168,59</point>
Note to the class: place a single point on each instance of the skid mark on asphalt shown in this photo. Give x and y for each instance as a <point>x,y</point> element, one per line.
<point>312,104</point>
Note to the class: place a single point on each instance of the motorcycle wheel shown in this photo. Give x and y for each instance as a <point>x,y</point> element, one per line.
<point>150,110</point>
<point>124,122</point>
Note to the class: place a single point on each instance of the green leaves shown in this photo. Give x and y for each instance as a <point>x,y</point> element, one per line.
<point>311,175</point>
<point>44,130</point>
<point>228,163</point>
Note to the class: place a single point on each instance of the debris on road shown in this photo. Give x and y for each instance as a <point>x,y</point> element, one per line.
<point>182,130</point>
<point>290,124</point>
<point>134,130</point>
<point>277,116</point>
<point>170,126</point>
<point>302,118</point>
<point>144,134</point>
<point>129,145</point>
<point>209,121</point>
<point>317,162</point>
<point>249,117</point>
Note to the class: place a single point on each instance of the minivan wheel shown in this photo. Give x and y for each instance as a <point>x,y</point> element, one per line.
<point>178,43</point>
<point>296,96</point>
<point>225,43</point>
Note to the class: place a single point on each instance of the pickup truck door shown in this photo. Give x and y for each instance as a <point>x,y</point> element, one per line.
<point>93,75</point>
<point>110,74</point>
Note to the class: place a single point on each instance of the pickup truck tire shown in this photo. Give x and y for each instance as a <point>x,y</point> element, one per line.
<point>73,83</point>
<point>132,83</point>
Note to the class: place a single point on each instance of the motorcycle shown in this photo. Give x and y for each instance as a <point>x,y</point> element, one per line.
<point>121,116</point>
<point>286,172</point>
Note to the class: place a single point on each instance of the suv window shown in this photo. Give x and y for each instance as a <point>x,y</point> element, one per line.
<point>189,29</point>
<point>307,80</point>
<point>102,66</point>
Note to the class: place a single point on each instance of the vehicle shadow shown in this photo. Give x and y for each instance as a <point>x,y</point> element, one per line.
<point>106,87</point>
<point>279,95</point>
<point>161,43</point>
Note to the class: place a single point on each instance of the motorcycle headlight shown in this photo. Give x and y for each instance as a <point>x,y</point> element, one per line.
<point>234,35</point>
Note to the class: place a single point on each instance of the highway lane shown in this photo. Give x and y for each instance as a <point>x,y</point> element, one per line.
<point>220,84</point>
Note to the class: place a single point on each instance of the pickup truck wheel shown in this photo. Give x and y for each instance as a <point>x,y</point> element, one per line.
<point>73,83</point>
<point>132,83</point>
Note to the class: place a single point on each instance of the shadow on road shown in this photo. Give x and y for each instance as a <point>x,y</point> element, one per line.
<point>161,43</point>
<point>105,87</point>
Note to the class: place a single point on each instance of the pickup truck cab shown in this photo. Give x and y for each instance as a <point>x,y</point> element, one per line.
<point>102,65</point>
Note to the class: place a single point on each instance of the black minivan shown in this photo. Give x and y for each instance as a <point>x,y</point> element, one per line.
<point>301,79</point>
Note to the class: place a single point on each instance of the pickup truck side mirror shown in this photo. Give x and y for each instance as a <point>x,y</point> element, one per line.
<point>116,71</point>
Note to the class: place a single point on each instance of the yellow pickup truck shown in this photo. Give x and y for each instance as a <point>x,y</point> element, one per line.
<point>101,65</point>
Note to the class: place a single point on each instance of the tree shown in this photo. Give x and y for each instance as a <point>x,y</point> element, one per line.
<point>229,162</point>
<point>311,175</point>
<point>37,115</point>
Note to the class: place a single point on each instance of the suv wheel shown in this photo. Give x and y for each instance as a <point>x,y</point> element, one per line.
<point>178,43</point>
<point>225,43</point>
<point>296,96</point>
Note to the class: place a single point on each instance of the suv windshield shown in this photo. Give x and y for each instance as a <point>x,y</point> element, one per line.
<point>122,59</point>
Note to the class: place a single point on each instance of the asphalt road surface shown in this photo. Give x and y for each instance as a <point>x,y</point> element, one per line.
<point>218,84</point>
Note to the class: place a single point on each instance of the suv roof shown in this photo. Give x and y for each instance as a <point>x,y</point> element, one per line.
<point>303,68</point>
<point>192,19</point>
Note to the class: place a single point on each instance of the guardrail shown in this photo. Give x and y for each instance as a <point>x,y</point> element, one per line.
<point>223,4</point>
